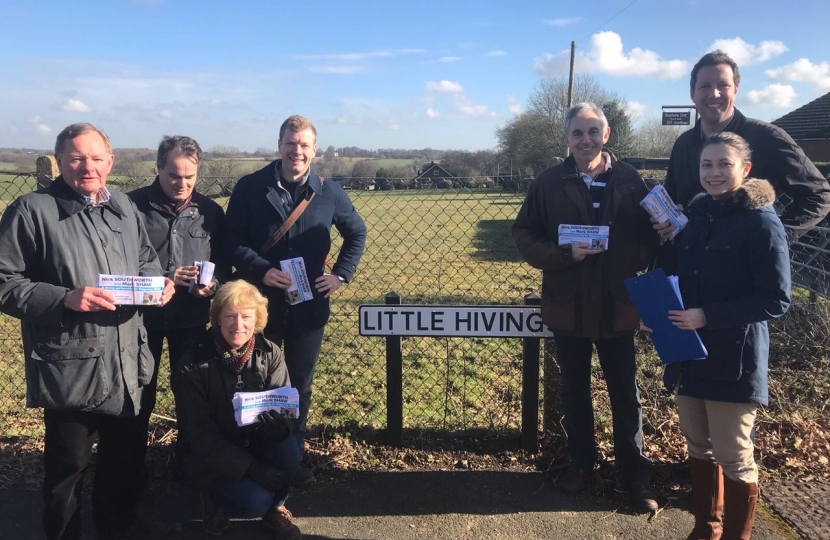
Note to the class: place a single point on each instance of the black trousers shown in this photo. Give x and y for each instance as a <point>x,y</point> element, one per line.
<point>619,368</point>
<point>178,340</point>
<point>67,453</point>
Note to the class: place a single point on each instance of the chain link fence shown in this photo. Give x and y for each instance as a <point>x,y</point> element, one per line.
<point>447,245</point>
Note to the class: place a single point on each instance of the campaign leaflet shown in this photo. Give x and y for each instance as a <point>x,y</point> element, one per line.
<point>300,288</point>
<point>248,405</point>
<point>132,290</point>
<point>596,236</point>
<point>660,206</point>
<point>205,277</point>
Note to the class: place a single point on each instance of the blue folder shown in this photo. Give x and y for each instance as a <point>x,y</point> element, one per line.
<point>653,295</point>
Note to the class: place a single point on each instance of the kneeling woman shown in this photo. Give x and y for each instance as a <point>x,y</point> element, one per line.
<point>734,270</point>
<point>243,471</point>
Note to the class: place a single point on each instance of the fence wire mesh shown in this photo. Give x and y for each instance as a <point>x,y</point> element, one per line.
<point>448,245</point>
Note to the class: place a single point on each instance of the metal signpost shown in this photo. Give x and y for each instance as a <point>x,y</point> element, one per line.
<point>393,320</point>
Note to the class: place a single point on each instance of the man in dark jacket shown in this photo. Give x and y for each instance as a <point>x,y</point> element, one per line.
<point>87,360</point>
<point>584,299</point>
<point>775,156</point>
<point>260,203</point>
<point>184,227</point>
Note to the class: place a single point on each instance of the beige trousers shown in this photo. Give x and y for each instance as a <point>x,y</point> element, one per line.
<point>722,432</point>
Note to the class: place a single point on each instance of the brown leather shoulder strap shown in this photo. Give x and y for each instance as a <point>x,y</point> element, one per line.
<point>288,223</point>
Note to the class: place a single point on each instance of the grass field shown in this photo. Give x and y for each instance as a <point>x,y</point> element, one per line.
<point>447,247</point>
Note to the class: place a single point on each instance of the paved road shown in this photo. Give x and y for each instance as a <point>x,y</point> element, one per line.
<point>450,505</point>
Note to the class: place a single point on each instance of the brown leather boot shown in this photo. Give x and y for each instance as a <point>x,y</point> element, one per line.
<point>707,499</point>
<point>739,508</point>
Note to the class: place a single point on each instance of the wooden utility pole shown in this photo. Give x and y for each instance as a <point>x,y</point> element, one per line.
<point>571,84</point>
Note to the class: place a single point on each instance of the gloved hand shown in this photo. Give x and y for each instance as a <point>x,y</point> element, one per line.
<point>268,477</point>
<point>274,426</point>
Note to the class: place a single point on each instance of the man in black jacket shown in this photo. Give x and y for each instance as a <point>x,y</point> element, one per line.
<point>184,227</point>
<point>775,156</point>
<point>261,202</point>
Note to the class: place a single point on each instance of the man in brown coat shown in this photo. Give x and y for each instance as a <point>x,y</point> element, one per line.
<point>584,299</point>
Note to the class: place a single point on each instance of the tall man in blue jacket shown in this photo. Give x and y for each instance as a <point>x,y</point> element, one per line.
<point>775,156</point>
<point>87,360</point>
<point>259,204</point>
<point>184,226</point>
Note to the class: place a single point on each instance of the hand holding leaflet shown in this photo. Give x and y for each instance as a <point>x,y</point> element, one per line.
<point>655,294</point>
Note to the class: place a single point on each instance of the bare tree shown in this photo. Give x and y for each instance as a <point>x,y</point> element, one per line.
<point>535,137</point>
<point>653,139</point>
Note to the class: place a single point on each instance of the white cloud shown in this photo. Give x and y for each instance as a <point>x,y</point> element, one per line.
<point>433,113</point>
<point>802,70</point>
<point>563,21</point>
<point>444,86</point>
<point>338,70</point>
<point>393,125</point>
<point>448,59</point>
<point>466,107</point>
<point>43,129</point>
<point>513,106</point>
<point>76,105</point>
<point>36,119</point>
<point>745,54</point>
<point>166,114</point>
<point>635,109</point>
<point>606,55</point>
<point>496,53</point>
<point>774,95</point>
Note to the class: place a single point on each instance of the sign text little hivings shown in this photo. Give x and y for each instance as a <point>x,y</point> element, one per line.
<point>448,321</point>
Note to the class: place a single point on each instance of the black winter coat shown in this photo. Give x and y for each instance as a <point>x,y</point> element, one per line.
<point>732,261</point>
<point>204,393</point>
<point>194,235</point>
<point>775,157</point>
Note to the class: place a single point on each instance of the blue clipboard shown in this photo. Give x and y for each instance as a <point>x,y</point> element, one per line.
<point>653,295</point>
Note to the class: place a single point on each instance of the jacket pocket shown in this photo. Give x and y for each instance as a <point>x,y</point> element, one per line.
<point>71,372</point>
<point>559,300</point>
<point>146,362</point>
<point>726,350</point>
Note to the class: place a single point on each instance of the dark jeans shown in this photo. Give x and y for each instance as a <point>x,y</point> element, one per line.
<point>619,368</point>
<point>67,453</point>
<point>301,349</point>
<point>177,342</point>
<point>245,498</point>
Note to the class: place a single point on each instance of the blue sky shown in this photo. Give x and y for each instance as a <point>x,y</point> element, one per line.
<point>440,74</point>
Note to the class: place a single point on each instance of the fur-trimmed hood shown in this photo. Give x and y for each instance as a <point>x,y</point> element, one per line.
<point>753,194</point>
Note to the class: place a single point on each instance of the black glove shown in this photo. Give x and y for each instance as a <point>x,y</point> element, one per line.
<point>274,426</point>
<point>268,477</point>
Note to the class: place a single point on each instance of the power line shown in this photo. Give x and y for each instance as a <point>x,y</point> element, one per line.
<point>608,20</point>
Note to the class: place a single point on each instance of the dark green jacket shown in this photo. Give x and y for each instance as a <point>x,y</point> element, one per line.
<point>51,242</point>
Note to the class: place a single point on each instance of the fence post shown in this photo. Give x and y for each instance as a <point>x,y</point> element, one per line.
<point>394,382</point>
<point>530,386</point>
<point>551,413</point>
<point>47,170</point>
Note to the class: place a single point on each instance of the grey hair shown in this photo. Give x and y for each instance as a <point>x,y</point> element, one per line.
<point>580,108</point>
<point>76,130</point>
<point>184,145</point>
